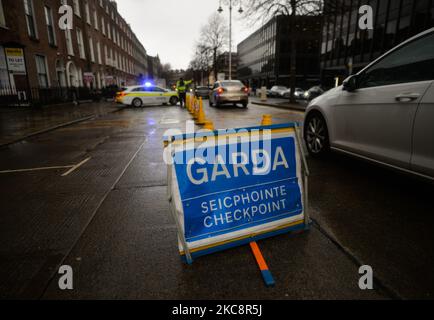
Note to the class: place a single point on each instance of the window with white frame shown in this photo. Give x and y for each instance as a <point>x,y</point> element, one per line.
<point>106,55</point>
<point>95,19</point>
<point>76,7</point>
<point>2,15</point>
<point>4,73</point>
<point>102,25</point>
<point>86,11</point>
<point>30,18</point>
<point>92,53</point>
<point>69,46</point>
<point>98,52</point>
<point>42,70</point>
<point>80,44</point>
<point>50,26</point>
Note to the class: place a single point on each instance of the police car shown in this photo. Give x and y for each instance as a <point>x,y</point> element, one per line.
<point>148,94</point>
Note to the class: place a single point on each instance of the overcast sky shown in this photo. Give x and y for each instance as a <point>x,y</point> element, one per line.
<point>171,27</point>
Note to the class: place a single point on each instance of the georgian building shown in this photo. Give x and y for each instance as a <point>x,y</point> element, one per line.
<point>99,51</point>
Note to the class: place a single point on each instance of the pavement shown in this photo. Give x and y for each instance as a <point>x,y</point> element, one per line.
<point>109,219</point>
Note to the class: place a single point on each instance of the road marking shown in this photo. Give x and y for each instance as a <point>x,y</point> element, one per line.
<point>75,167</point>
<point>35,169</point>
<point>71,168</point>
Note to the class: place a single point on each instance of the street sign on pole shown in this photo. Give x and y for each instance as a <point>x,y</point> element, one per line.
<point>229,189</point>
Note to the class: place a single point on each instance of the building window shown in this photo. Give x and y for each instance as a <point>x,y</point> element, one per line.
<point>107,58</point>
<point>95,19</point>
<point>98,52</point>
<point>4,74</point>
<point>76,7</point>
<point>2,15</point>
<point>41,67</point>
<point>86,11</point>
<point>92,53</point>
<point>50,26</point>
<point>80,44</point>
<point>102,25</point>
<point>30,18</point>
<point>69,46</point>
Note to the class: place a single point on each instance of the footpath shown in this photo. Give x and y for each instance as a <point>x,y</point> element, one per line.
<point>20,123</point>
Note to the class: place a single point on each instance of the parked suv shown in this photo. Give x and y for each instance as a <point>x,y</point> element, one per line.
<point>229,92</point>
<point>385,113</point>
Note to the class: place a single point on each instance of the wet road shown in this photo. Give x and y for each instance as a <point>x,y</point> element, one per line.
<point>109,220</point>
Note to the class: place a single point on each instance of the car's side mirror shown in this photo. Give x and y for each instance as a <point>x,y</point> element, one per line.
<point>351,83</point>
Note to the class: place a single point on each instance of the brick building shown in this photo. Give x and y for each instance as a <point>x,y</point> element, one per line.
<point>99,51</point>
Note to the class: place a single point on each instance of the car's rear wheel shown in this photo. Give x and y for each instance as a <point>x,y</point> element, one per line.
<point>316,135</point>
<point>173,101</point>
<point>137,103</point>
<point>245,104</point>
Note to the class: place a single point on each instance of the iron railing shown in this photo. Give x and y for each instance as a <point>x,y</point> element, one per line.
<point>11,97</point>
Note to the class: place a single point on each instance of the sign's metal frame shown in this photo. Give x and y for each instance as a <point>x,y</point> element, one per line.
<point>175,212</point>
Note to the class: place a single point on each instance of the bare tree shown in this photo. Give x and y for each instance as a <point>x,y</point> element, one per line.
<point>214,37</point>
<point>202,60</point>
<point>268,9</point>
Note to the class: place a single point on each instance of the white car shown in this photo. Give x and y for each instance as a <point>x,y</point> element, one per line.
<point>384,114</point>
<point>278,91</point>
<point>138,96</point>
<point>298,94</point>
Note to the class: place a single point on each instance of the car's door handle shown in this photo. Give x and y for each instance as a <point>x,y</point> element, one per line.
<point>407,97</point>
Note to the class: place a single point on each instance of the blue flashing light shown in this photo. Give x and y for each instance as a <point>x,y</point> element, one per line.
<point>148,84</point>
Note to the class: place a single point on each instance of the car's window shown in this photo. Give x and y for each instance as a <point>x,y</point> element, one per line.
<point>157,89</point>
<point>140,89</point>
<point>232,84</point>
<point>411,63</point>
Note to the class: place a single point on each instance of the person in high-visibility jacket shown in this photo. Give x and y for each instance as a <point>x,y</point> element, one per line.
<point>181,88</point>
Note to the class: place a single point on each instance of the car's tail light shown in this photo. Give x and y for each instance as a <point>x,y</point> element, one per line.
<point>245,89</point>
<point>220,90</point>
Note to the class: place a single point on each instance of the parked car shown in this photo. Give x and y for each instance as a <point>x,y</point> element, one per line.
<point>202,92</point>
<point>298,94</point>
<point>384,114</point>
<point>229,92</point>
<point>312,93</point>
<point>277,91</point>
<point>138,96</point>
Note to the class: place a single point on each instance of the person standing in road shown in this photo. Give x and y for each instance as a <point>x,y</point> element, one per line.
<point>181,88</point>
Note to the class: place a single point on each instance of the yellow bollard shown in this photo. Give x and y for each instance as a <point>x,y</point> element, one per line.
<point>187,102</point>
<point>190,102</point>
<point>208,125</point>
<point>201,113</point>
<point>267,120</point>
<point>196,110</point>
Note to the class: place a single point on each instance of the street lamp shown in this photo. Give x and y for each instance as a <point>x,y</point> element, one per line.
<point>230,3</point>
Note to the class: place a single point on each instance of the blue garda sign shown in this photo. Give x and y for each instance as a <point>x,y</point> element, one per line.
<point>238,191</point>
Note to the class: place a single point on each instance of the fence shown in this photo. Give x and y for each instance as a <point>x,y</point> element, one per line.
<point>10,97</point>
